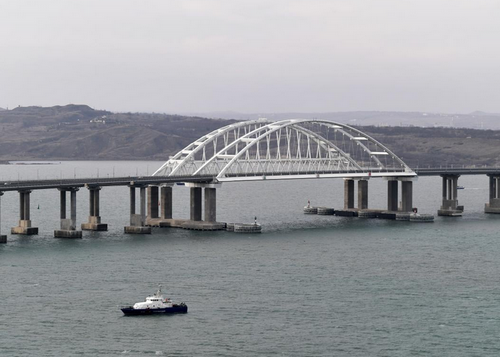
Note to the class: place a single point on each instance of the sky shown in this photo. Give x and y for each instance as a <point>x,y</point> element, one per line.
<point>251,56</point>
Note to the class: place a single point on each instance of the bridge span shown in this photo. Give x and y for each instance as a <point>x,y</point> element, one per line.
<point>252,151</point>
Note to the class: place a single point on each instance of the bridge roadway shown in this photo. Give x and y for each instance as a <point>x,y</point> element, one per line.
<point>151,180</point>
<point>115,181</point>
<point>457,171</point>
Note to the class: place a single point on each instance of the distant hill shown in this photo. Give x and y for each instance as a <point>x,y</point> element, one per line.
<point>78,132</point>
<point>475,120</point>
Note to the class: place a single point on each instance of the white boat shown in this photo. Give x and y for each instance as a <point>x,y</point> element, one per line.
<point>155,304</point>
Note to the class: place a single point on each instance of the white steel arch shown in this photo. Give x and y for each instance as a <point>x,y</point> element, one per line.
<point>286,149</point>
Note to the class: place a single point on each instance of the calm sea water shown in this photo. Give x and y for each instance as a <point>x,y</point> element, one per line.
<point>306,286</point>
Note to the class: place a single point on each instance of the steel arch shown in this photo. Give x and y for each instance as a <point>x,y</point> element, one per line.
<point>293,148</point>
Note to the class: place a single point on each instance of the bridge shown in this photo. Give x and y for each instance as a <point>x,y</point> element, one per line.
<point>251,151</point>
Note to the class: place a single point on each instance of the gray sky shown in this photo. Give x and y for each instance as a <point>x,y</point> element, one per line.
<point>252,56</point>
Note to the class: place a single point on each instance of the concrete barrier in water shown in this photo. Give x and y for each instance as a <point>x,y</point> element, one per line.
<point>402,216</point>
<point>247,228</point>
<point>310,210</point>
<point>421,218</point>
<point>346,213</point>
<point>325,211</point>
<point>368,214</point>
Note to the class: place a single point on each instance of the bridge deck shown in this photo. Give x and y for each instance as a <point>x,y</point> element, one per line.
<point>151,180</point>
<point>457,171</point>
<point>82,182</point>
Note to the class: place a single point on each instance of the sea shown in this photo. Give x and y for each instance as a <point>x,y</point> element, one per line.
<point>307,285</point>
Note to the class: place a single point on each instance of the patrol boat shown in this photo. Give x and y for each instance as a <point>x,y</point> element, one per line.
<point>156,304</point>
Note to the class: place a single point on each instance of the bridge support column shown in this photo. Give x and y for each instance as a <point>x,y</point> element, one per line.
<point>166,202</point>
<point>68,226</point>
<point>153,202</point>
<point>210,204</point>
<point>24,227</point>
<point>392,195</point>
<point>494,205</point>
<point>94,223</point>
<point>348,193</point>
<point>137,221</point>
<point>195,204</point>
<point>407,196</point>
<point>195,222</point>
<point>363,194</point>
<point>3,238</point>
<point>450,205</point>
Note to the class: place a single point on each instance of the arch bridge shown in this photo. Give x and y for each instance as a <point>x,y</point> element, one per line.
<point>286,149</point>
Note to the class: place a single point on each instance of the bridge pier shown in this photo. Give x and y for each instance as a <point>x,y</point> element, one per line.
<point>196,209</point>
<point>160,211</point>
<point>94,223</point>
<point>392,194</point>
<point>137,221</point>
<point>348,194</point>
<point>166,202</point>
<point>68,226</point>
<point>152,201</point>
<point>3,238</point>
<point>406,194</point>
<point>450,207</point>
<point>494,205</point>
<point>195,203</point>
<point>24,227</point>
<point>362,194</point>
<point>210,204</point>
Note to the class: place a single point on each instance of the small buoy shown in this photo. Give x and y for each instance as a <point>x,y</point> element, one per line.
<point>38,207</point>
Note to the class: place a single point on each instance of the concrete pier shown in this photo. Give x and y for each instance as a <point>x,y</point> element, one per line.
<point>195,221</point>
<point>392,195</point>
<point>348,194</point>
<point>153,201</point>
<point>24,226</point>
<point>166,202</point>
<point>494,205</point>
<point>68,226</point>
<point>210,204</point>
<point>138,221</point>
<point>450,207</point>
<point>94,223</point>
<point>406,196</point>
<point>195,203</point>
<point>362,194</point>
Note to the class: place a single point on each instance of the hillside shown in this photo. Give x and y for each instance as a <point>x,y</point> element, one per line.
<point>78,132</point>
<point>421,147</point>
<point>475,120</point>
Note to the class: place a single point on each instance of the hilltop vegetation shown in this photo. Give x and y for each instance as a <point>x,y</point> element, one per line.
<point>78,132</point>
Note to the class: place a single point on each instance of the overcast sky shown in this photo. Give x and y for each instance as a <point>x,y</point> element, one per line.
<point>252,56</point>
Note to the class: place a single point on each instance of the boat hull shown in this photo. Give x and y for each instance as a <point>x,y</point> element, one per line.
<point>129,311</point>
